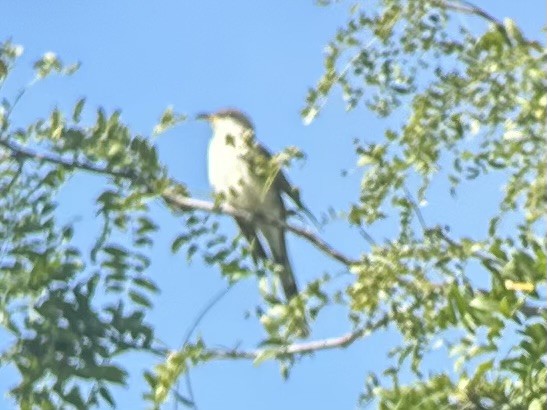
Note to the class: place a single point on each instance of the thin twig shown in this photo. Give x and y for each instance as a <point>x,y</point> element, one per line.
<point>366,236</point>
<point>24,152</point>
<point>479,255</point>
<point>469,8</point>
<point>206,309</point>
<point>16,100</point>
<point>305,347</point>
<point>416,208</point>
<point>7,188</point>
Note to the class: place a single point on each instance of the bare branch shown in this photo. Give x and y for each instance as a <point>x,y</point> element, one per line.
<point>296,348</point>
<point>469,8</point>
<point>306,347</point>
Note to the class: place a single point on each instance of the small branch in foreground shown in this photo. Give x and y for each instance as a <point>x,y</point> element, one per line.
<point>296,348</point>
<point>305,347</point>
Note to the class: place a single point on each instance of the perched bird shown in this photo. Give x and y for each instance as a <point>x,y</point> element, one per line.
<point>241,173</point>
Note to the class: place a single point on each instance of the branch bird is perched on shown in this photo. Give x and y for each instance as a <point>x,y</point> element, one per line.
<point>241,172</point>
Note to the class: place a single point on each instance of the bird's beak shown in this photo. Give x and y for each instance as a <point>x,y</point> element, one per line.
<point>203,116</point>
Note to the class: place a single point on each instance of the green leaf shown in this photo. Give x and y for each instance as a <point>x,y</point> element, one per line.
<point>146,284</point>
<point>493,225</point>
<point>151,379</point>
<point>179,241</point>
<point>74,397</point>
<point>146,225</point>
<point>116,251</point>
<point>48,63</point>
<point>483,368</point>
<point>140,299</point>
<point>536,404</point>
<point>264,355</point>
<point>113,374</point>
<point>3,69</point>
<point>76,113</point>
<point>105,394</point>
<point>485,304</point>
<point>168,119</point>
<point>192,249</point>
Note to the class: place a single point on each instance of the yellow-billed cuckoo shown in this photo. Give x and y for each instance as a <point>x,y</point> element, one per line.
<point>241,172</point>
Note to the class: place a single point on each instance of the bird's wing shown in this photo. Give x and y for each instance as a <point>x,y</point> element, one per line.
<point>283,185</point>
<point>249,232</point>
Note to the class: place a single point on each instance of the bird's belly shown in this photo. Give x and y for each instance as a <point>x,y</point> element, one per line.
<point>231,176</point>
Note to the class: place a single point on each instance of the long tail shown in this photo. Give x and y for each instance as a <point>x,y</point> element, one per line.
<point>276,241</point>
<point>278,247</point>
<point>287,279</point>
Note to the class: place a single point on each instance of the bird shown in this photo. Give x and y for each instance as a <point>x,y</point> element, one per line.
<point>241,173</point>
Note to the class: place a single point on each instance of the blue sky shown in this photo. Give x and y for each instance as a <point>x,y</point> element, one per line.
<point>260,57</point>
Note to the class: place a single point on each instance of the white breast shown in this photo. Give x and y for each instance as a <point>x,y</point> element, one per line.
<point>229,173</point>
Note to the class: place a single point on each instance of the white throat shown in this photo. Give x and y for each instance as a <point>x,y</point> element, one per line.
<point>228,128</point>
<point>229,171</point>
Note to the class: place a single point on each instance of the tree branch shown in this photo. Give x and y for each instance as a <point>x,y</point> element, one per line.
<point>176,199</point>
<point>187,203</point>
<point>306,347</point>
<point>21,152</point>
<point>469,8</point>
<point>296,348</point>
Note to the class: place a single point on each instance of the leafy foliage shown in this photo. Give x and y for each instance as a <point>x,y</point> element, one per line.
<point>480,110</point>
<point>48,301</point>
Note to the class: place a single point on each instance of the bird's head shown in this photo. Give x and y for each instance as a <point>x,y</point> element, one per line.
<point>229,121</point>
